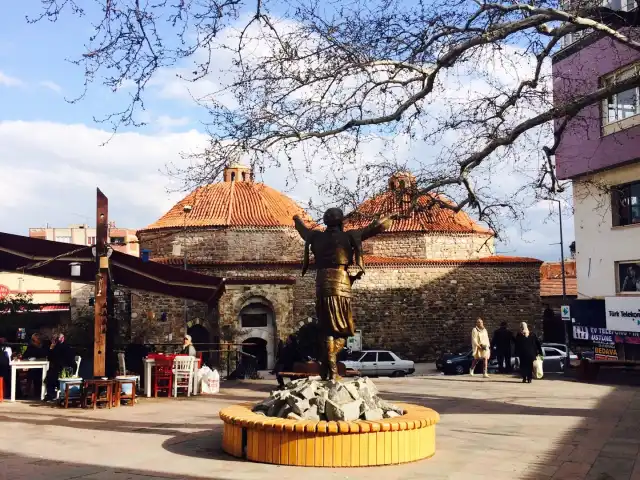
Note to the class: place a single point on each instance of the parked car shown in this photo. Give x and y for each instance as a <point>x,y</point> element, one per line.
<point>459,363</point>
<point>573,358</point>
<point>380,363</point>
<point>553,360</point>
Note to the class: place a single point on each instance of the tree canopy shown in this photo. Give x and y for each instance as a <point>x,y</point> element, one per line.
<point>332,88</point>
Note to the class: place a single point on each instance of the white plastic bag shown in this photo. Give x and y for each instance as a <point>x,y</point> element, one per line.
<point>537,368</point>
<point>210,382</point>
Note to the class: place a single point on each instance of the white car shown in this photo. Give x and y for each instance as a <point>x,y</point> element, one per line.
<point>573,358</point>
<point>380,363</point>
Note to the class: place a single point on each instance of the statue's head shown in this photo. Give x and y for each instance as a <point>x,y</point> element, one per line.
<point>333,217</point>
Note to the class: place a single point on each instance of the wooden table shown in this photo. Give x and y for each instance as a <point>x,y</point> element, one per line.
<point>26,365</point>
<point>148,370</point>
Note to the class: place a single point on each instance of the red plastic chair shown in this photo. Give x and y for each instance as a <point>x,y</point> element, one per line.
<point>163,376</point>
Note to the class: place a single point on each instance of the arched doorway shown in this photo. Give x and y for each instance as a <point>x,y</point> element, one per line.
<point>257,322</point>
<point>258,348</point>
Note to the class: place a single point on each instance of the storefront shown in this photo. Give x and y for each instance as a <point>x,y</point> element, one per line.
<point>609,327</point>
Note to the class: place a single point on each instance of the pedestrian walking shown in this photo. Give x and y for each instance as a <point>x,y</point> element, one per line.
<point>481,347</point>
<point>502,342</point>
<point>527,348</point>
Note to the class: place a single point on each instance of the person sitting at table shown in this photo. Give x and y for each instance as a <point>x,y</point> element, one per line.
<point>60,356</point>
<point>187,347</point>
<point>34,350</point>
<point>5,366</point>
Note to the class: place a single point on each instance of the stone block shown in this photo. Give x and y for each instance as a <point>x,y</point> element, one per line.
<point>333,411</point>
<point>351,410</point>
<point>311,414</point>
<point>298,405</point>
<point>373,414</point>
<point>293,416</point>
<point>391,414</point>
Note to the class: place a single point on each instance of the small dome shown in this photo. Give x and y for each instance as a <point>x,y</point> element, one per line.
<point>235,202</point>
<point>427,216</point>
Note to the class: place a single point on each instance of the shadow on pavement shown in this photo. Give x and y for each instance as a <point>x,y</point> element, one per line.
<point>22,467</point>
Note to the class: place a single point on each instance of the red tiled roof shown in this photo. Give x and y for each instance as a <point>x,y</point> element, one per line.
<point>551,279</point>
<point>426,216</point>
<point>369,260</point>
<point>553,287</point>
<point>232,204</point>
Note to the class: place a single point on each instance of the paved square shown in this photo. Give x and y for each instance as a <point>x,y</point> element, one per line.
<point>490,429</point>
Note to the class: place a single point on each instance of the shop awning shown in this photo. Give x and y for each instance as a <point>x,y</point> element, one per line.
<point>44,258</point>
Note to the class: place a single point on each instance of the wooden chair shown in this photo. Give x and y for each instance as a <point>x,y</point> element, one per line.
<point>119,393</point>
<point>68,397</point>
<point>163,372</point>
<point>183,367</point>
<point>93,391</point>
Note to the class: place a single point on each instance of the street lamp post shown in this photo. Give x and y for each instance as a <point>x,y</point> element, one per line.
<point>564,284</point>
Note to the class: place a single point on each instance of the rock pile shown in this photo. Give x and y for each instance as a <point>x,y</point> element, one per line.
<point>314,399</point>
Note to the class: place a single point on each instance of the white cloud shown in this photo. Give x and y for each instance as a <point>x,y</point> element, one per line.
<point>54,169</point>
<point>9,81</point>
<point>53,86</point>
<point>165,122</point>
<point>51,171</point>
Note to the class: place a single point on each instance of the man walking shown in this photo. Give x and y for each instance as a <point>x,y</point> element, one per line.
<point>501,342</point>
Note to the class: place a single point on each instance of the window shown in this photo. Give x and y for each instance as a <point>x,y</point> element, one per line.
<point>385,357</point>
<point>628,5</point>
<point>628,277</point>
<point>63,239</point>
<point>619,110</point>
<point>625,204</point>
<point>369,357</point>
<point>117,240</point>
<point>550,352</point>
<point>91,240</point>
<point>254,320</point>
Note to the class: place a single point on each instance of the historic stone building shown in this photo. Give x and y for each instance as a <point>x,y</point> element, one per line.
<point>426,281</point>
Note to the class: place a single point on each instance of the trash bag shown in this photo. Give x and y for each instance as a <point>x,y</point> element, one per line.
<point>209,381</point>
<point>537,368</point>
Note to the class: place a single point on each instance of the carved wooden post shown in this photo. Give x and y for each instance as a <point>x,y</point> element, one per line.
<point>101,287</point>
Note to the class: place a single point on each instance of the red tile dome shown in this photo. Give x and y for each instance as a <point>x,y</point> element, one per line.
<point>235,202</point>
<point>426,216</point>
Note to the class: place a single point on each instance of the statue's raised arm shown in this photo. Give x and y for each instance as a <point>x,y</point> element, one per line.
<point>301,227</point>
<point>377,226</point>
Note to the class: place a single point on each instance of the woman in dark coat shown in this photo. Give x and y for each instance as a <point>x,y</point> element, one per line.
<point>527,349</point>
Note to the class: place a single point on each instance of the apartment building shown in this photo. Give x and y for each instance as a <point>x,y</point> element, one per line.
<point>122,239</point>
<point>600,153</point>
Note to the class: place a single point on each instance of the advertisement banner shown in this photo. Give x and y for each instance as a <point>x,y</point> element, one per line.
<point>605,352</point>
<point>622,314</point>
<point>604,336</point>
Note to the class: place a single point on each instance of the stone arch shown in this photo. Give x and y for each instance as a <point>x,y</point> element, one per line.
<point>258,305</point>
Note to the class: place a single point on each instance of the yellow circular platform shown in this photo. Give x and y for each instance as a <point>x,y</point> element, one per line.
<point>257,438</point>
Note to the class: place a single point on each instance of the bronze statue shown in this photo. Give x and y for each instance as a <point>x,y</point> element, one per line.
<point>334,251</point>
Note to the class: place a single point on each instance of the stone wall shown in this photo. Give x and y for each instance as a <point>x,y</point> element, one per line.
<point>431,246</point>
<point>227,245</point>
<point>147,317</point>
<point>418,312</point>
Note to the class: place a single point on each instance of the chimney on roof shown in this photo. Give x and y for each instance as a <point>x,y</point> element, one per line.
<point>237,173</point>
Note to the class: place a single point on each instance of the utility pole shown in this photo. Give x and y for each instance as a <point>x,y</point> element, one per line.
<point>101,314</point>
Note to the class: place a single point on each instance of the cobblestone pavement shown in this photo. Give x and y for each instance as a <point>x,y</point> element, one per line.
<point>490,429</point>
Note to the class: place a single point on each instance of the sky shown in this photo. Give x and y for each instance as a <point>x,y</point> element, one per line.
<point>53,153</point>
